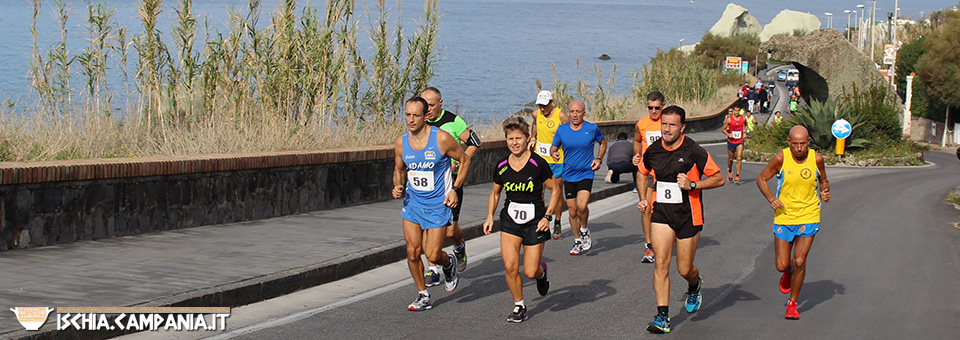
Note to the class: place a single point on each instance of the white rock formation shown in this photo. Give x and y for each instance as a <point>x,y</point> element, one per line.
<point>788,21</point>
<point>736,20</point>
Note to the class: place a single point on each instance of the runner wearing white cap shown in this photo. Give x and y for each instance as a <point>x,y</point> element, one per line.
<point>547,118</point>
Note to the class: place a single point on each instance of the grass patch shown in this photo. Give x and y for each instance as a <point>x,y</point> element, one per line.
<point>954,196</point>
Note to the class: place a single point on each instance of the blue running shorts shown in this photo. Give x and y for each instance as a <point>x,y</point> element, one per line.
<point>557,170</point>
<point>427,218</point>
<point>788,232</point>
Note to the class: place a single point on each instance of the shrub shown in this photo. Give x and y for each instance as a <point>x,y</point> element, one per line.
<point>819,118</point>
<point>876,108</point>
<point>680,76</point>
<point>714,49</point>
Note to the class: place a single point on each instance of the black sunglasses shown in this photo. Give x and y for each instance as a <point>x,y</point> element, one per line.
<point>653,107</point>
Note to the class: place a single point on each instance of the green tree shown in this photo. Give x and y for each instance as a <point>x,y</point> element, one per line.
<point>713,49</point>
<point>939,67</point>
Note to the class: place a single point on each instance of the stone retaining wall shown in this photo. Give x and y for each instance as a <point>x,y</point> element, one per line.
<point>55,202</point>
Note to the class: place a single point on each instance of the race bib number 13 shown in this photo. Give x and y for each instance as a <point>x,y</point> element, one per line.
<point>420,180</point>
<point>543,149</point>
<point>669,192</point>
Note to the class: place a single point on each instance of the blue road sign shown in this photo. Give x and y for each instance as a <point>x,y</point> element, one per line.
<point>841,128</point>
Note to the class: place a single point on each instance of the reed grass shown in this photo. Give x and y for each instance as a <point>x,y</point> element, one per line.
<point>297,82</point>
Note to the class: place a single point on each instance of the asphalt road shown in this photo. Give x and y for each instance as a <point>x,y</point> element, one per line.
<point>780,98</point>
<point>884,265</point>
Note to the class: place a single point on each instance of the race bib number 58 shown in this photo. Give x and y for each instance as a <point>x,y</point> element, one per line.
<point>420,180</point>
<point>668,192</point>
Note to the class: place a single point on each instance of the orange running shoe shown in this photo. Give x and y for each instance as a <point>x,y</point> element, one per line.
<point>729,176</point>
<point>792,313</point>
<point>785,282</point>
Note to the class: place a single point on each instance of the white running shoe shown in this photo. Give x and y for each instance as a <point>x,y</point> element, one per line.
<point>587,240</point>
<point>451,277</point>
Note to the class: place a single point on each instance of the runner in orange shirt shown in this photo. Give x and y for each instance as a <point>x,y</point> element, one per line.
<point>648,132</point>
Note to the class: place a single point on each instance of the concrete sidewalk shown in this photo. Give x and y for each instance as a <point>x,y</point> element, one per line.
<point>223,265</point>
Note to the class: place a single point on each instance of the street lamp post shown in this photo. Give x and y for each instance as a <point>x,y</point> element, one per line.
<point>681,43</point>
<point>829,19</point>
<point>860,34</point>
<point>873,19</point>
<point>847,30</point>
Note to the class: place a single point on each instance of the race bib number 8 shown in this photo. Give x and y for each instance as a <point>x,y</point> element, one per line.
<point>668,192</point>
<point>543,149</point>
<point>420,180</point>
<point>736,134</point>
<point>521,212</point>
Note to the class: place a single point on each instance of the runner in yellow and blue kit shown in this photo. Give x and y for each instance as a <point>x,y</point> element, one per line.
<point>546,120</point>
<point>801,185</point>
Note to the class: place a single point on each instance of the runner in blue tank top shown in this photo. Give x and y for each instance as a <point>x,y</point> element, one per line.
<point>422,171</point>
<point>577,138</point>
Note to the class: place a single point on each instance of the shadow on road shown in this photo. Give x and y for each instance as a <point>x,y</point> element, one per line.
<point>814,293</point>
<point>571,296</point>
<point>610,243</point>
<point>736,295</point>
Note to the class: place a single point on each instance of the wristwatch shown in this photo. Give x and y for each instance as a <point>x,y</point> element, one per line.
<point>693,185</point>
<point>548,217</point>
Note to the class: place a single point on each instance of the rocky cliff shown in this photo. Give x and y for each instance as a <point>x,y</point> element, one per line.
<point>827,63</point>
<point>787,21</point>
<point>736,20</point>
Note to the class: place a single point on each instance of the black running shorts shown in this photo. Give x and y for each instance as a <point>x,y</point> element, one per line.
<point>456,210</point>
<point>678,217</point>
<point>527,231</point>
<point>571,189</point>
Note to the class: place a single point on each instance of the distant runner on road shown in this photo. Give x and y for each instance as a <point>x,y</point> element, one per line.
<point>734,127</point>
<point>422,171</point>
<point>801,185</point>
<point>457,128</point>
<point>578,137</point>
<point>677,164</point>
<point>524,220</point>
<point>547,118</point>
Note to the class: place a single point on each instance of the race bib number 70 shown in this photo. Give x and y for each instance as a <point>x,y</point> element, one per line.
<point>521,212</point>
<point>669,192</point>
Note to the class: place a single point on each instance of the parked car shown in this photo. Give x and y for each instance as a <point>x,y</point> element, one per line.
<point>782,75</point>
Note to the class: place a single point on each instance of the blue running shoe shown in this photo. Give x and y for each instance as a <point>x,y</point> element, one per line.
<point>694,298</point>
<point>660,324</point>
<point>432,278</point>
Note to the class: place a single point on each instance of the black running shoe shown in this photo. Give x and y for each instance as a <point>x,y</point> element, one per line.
<point>518,315</point>
<point>543,284</point>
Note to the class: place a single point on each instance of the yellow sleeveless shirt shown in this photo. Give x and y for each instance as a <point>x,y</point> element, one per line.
<point>798,187</point>
<point>546,128</point>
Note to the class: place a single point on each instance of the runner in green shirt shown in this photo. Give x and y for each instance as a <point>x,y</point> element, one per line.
<point>456,127</point>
